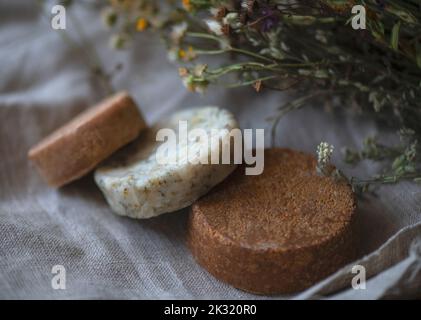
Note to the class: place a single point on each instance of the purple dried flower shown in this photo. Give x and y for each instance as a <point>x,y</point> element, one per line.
<point>258,12</point>
<point>270,18</point>
<point>381,4</point>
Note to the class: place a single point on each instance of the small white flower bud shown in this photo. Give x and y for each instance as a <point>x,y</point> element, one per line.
<point>214,26</point>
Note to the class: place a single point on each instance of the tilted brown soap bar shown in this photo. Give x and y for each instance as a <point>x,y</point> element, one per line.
<point>77,147</point>
<point>279,232</point>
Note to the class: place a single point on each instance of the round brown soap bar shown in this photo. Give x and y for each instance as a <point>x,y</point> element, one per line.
<point>77,147</point>
<point>278,232</point>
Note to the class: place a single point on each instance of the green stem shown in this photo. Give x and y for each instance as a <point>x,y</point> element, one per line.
<point>210,52</point>
<point>293,105</point>
<point>250,54</point>
<point>203,36</point>
<point>387,179</point>
<point>247,83</point>
<point>229,49</point>
<point>92,52</point>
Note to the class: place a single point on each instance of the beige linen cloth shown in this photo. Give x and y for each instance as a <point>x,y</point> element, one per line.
<point>44,82</point>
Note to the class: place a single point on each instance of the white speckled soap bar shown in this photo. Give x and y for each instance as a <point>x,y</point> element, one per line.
<point>135,184</point>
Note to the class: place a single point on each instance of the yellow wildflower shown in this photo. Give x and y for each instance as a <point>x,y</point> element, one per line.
<point>187,55</point>
<point>141,24</point>
<point>187,5</point>
<point>181,53</point>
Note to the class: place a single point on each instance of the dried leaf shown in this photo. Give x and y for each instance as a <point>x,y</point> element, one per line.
<point>394,40</point>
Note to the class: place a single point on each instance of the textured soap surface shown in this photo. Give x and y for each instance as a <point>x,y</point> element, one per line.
<point>135,184</point>
<point>279,232</point>
<point>78,146</point>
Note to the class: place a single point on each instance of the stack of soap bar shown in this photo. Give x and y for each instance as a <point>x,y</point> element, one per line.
<point>279,232</point>
<point>77,147</point>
